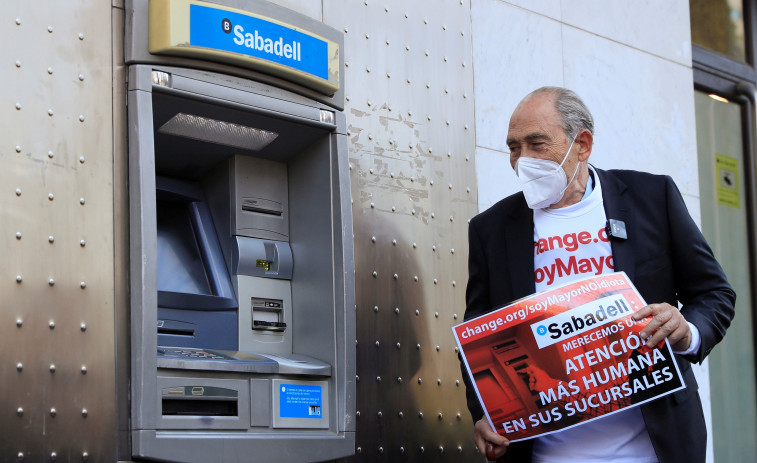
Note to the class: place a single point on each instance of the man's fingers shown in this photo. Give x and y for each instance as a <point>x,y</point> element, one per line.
<point>666,322</point>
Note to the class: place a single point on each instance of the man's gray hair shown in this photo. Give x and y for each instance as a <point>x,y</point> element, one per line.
<point>573,112</point>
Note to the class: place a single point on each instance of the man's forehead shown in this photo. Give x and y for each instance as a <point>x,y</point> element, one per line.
<point>534,117</point>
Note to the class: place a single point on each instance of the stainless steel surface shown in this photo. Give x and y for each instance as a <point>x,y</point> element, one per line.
<point>410,122</point>
<point>56,229</point>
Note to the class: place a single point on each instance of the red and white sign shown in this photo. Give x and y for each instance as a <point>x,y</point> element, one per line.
<point>563,357</point>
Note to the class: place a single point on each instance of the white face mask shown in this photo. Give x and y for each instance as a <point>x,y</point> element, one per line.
<point>544,182</point>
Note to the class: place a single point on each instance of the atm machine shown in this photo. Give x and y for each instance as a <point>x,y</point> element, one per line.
<point>242,270</point>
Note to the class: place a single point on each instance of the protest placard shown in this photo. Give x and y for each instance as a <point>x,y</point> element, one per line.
<point>564,357</point>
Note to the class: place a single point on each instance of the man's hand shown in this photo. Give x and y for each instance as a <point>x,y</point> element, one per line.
<point>489,443</point>
<point>667,322</point>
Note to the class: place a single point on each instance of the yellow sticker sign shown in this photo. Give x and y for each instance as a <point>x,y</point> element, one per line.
<point>727,186</point>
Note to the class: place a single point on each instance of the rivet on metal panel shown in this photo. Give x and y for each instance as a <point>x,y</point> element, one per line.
<point>50,29</point>
<point>51,324</point>
<point>391,174</point>
<point>51,282</point>
<point>19,322</point>
<point>415,245</point>
<point>83,326</point>
<point>370,170</point>
<point>441,448</point>
<point>398,345</point>
<point>81,117</point>
<point>82,201</point>
<point>357,413</point>
<point>399,380</point>
<point>388,75</point>
<point>422,449</point>
<point>459,449</point>
<point>20,411</point>
<point>394,208</point>
<point>346,30</point>
<point>375,308</point>
<point>400,414</point>
<point>379,414</point>
<point>18,63</point>
<point>425,20</point>
<point>467,189</point>
<point>387,42</point>
<point>453,283</point>
<point>20,456</point>
<point>19,279</point>
<point>81,159</point>
<point>52,368</point>
<point>426,52</point>
<point>357,379</point>
<point>457,382</point>
<point>50,154</point>
<point>451,218</point>
<point>417,347</point>
<point>456,350</point>
<point>18,234</point>
<point>438,348</point>
<point>420,381</point>
<point>465,95</point>
<point>53,456</point>
<point>346,64</point>
<point>18,105</point>
<point>51,239</point>
<point>435,280</point>
<point>375,274</point>
<point>445,60</point>
<point>451,251</point>
<point>359,450</point>
<point>465,126</point>
<point>81,77</point>
<point>433,247</point>
<point>18,191</point>
<point>50,112</point>
<point>84,369</point>
<point>370,137</point>
<point>397,310</point>
<point>20,366</point>
<point>18,21</point>
<point>18,148</point>
<point>378,378</point>
<point>50,196</point>
<point>82,243</point>
<point>417,312</point>
<point>81,36</point>
<point>378,343</point>
<point>381,449</point>
<point>415,278</point>
<point>436,314</point>
<point>431,182</point>
<point>85,456</point>
<point>367,36</point>
<point>438,381</point>
<point>394,242</point>
<point>373,205</point>
<point>395,276</point>
<point>407,48</point>
<point>53,412</point>
<point>50,71</point>
<point>83,284</point>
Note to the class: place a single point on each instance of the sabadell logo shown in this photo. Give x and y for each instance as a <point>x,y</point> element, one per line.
<point>542,330</point>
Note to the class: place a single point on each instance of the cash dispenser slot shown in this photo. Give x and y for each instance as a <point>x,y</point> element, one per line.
<point>200,401</point>
<point>267,315</point>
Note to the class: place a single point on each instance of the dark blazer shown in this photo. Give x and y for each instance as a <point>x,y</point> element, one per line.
<point>666,257</point>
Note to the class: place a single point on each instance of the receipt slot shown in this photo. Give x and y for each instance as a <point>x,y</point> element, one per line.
<point>242,286</point>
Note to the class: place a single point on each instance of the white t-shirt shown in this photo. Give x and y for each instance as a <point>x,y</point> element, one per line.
<point>571,243</point>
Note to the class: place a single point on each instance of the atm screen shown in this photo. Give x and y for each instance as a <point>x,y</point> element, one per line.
<point>180,265</point>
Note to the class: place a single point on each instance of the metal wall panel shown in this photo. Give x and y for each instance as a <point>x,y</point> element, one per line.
<point>57,393</point>
<point>409,105</point>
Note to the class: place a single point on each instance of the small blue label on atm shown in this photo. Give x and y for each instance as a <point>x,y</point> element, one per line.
<point>238,33</point>
<point>300,401</point>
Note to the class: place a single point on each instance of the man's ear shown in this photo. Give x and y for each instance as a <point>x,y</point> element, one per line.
<point>585,141</point>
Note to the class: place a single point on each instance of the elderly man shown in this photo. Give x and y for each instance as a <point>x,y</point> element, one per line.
<point>550,138</point>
